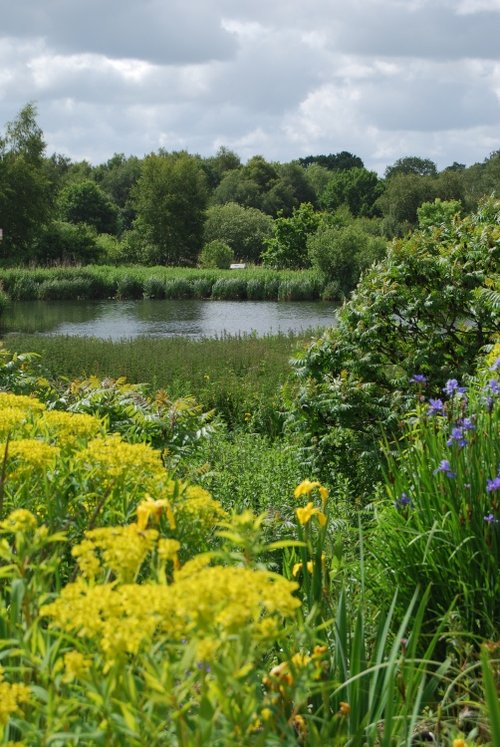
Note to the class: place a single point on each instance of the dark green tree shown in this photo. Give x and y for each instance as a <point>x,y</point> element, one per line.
<point>86,202</point>
<point>170,199</point>
<point>25,194</point>
<point>357,188</point>
<point>244,229</point>
<point>287,248</point>
<point>411,165</point>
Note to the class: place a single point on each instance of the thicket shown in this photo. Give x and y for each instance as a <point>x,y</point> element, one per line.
<point>429,308</point>
<point>163,208</point>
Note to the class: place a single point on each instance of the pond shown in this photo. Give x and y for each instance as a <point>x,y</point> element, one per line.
<point>116,320</point>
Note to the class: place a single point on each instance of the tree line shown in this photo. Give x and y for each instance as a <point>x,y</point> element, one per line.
<point>175,208</point>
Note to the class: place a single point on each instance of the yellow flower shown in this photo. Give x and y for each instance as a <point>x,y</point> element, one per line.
<point>11,697</point>
<point>344,708</point>
<point>305,488</point>
<point>296,568</point>
<point>305,514</point>
<point>20,520</point>
<point>75,665</point>
<point>459,743</point>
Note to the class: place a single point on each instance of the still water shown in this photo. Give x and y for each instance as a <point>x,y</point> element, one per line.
<point>116,320</point>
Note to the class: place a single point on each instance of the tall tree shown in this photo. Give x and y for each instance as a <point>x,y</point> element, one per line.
<point>25,197</point>
<point>170,199</point>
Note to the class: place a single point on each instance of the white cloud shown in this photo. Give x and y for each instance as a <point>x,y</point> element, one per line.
<point>380,78</point>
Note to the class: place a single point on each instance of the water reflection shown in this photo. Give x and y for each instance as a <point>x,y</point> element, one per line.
<point>191,318</point>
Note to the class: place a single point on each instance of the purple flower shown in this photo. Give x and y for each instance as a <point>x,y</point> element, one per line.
<point>435,407</point>
<point>489,518</point>
<point>419,378</point>
<point>444,466</point>
<point>453,386</point>
<point>403,501</point>
<point>494,386</point>
<point>494,484</point>
<point>467,424</point>
<point>496,365</point>
<point>457,436</point>
<point>489,402</point>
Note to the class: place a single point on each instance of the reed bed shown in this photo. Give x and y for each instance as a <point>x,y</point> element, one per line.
<point>96,282</point>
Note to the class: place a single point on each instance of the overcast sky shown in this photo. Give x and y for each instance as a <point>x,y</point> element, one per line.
<point>281,78</point>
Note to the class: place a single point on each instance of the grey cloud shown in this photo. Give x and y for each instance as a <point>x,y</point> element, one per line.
<point>173,32</point>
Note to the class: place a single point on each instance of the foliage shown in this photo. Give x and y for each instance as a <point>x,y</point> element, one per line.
<point>429,307</point>
<point>411,165</point>
<point>437,213</point>
<point>86,202</point>
<point>216,254</point>
<point>135,608</point>
<point>286,249</point>
<point>341,253</point>
<point>25,198</point>
<point>170,198</point>
<point>442,509</point>
<point>60,241</point>
<point>243,228</point>
<point>240,377</point>
<point>357,188</point>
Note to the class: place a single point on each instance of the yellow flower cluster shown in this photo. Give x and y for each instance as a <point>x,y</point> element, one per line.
<point>68,427</point>
<point>19,520</point>
<point>75,666</point>
<point>109,457</point>
<point>122,550</point>
<point>11,421</point>
<point>11,697</point>
<point>197,503</point>
<point>21,401</point>
<point>30,454</point>
<point>203,603</point>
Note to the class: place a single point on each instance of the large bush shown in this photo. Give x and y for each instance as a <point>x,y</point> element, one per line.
<point>430,307</point>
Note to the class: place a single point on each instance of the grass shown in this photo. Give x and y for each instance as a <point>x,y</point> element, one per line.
<point>240,376</point>
<point>134,281</point>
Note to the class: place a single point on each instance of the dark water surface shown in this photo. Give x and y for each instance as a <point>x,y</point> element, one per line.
<point>168,318</point>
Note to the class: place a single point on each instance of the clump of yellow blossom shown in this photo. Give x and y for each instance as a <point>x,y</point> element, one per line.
<point>20,400</point>
<point>122,550</point>
<point>68,427</point>
<point>76,665</point>
<point>29,454</point>
<point>110,458</point>
<point>11,697</point>
<point>12,420</point>
<point>19,520</point>
<point>202,602</point>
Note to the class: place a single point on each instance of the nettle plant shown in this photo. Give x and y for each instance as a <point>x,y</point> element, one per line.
<point>431,306</point>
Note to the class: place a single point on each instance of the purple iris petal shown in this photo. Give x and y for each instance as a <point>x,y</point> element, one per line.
<point>419,378</point>
<point>457,437</point>
<point>435,407</point>
<point>444,466</point>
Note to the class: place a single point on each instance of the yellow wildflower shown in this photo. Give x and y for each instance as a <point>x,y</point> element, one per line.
<point>29,454</point>
<point>123,550</point>
<point>68,427</point>
<point>168,549</point>
<point>459,743</point>
<point>11,697</point>
<point>305,488</point>
<point>20,520</point>
<point>20,400</point>
<point>75,666</point>
<point>305,514</point>
<point>296,568</point>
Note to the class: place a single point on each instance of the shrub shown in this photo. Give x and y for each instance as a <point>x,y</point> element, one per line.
<point>429,307</point>
<point>216,254</point>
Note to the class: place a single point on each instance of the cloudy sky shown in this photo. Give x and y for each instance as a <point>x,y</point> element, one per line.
<point>281,78</point>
